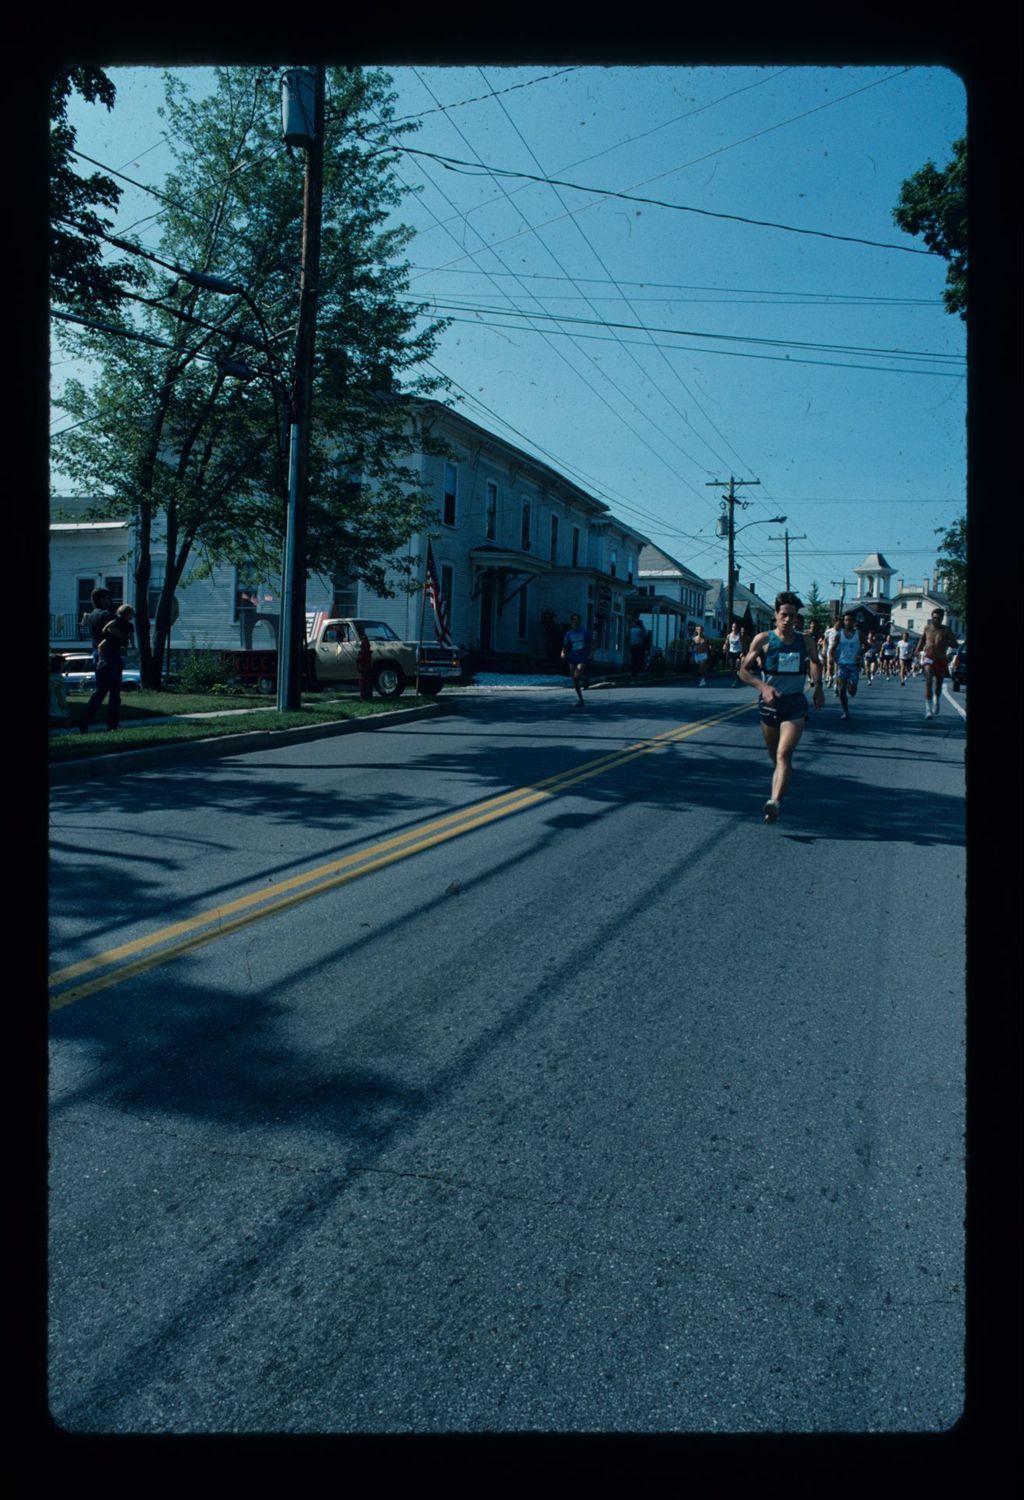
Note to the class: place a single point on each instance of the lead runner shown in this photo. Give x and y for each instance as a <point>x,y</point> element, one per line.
<point>783,660</point>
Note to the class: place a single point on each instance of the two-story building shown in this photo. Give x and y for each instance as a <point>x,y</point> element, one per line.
<point>671,600</point>
<point>518,547</point>
<point>912,605</point>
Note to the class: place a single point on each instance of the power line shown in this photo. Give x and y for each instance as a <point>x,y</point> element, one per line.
<point>681,416</point>
<point>815,297</point>
<point>480,98</point>
<point>664,357</point>
<point>701,333</point>
<point>720,150</point>
<point>577,373</point>
<point>836,364</point>
<point>469,169</point>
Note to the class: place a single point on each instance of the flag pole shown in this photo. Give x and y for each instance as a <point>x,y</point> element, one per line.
<point>423,608</point>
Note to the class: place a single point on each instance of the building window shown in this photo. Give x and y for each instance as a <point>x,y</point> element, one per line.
<point>554,539</point>
<point>450,488</point>
<point>492,510</point>
<point>521,626</point>
<point>575,546</point>
<point>526,526</point>
<point>114,586</point>
<point>344,595</point>
<point>85,588</point>
<point>614,562</point>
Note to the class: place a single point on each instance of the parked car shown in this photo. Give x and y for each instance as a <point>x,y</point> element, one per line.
<point>332,658</point>
<point>80,677</point>
<point>958,668</point>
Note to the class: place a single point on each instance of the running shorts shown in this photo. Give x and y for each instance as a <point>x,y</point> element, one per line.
<point>848,673</point>
<point>790,706</point>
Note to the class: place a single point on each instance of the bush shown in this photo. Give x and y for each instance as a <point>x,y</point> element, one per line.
<point>204,672</point>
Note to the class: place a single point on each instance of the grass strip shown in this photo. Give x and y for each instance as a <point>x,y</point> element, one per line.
<point>137,734</point>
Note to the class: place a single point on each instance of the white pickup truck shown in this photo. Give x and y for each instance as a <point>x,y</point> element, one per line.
<point>331,658</point>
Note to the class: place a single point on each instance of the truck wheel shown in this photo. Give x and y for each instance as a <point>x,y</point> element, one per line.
<point>389,680</point>
<point>431,686</point>
<point>266,684</point>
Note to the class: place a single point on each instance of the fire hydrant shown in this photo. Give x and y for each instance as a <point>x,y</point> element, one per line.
<point>364,667</point>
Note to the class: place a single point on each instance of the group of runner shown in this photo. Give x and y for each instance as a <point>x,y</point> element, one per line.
<point>781,660</point>
<point>780,663</point>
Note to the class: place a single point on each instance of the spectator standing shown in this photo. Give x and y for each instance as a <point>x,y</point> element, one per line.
<point>637,648</point>
<point>115,638</point>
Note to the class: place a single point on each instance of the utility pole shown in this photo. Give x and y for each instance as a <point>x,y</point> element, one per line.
<point>787,539</point>
<point>293,604</point>
<point>840,583</point>
<point>731,502</point>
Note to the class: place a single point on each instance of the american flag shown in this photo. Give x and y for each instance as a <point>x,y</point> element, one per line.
<point>432,584</point>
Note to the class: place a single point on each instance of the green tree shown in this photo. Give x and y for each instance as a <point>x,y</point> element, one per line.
<point>78,277</point>
<point>952,561</point>
<point>933,204</point>
<point>197,458</point>
<point>816,611</point>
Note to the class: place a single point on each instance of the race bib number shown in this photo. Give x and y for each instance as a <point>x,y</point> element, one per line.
<point>789,661</point>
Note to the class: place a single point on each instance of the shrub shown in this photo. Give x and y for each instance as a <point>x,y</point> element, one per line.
<point>204,671</point>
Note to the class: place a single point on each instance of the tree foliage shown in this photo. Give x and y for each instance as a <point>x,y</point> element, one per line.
<point>933,204</point>
<point>952,561</point>
<point>816,611</point>
<point>198,458</point>
<point>79,279</point>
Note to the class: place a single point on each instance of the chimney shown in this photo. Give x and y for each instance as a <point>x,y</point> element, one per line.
<point>924,586</point>
<point>900,587</point>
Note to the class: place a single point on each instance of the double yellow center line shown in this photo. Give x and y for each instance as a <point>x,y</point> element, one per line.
<point>130,959</point>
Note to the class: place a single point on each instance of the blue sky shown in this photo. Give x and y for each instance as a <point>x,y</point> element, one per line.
<point>644,349</point>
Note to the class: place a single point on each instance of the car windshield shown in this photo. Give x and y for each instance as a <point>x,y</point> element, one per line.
<point>376,630</point>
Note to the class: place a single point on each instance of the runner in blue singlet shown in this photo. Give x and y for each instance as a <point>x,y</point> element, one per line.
<point>782,658</point>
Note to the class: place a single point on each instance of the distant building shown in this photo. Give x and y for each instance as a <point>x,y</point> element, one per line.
<point>753,612</point>
<point>912,605</point>
<point>671,599</point>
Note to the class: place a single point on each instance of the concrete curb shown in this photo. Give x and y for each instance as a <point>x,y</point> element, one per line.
<point>227,744</point>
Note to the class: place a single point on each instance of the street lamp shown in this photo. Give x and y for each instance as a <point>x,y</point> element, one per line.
<point>733,533</point>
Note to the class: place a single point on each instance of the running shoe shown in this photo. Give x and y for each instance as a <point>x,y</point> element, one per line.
<point>844,715</point>
<point>771,811</point>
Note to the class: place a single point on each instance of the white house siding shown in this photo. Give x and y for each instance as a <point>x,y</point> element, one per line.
<point>81,552</point>
<point>207,605</point>
<point>912,608</point>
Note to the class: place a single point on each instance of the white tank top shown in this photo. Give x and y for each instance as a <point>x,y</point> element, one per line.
<point>848,648</point>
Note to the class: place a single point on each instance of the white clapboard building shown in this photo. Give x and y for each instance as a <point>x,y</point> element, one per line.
<point>518,547</point>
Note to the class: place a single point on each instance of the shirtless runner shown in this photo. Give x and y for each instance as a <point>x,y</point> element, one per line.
<point>932,650</point>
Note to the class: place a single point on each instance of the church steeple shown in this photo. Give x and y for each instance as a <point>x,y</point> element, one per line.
<point>873,576</point>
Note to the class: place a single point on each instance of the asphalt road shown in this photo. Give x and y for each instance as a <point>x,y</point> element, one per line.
<point>504,1072</point>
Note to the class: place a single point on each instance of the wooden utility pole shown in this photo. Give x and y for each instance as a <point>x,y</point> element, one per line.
<point>787,539</point>
<point>293,613</point>
<point>732,502</point>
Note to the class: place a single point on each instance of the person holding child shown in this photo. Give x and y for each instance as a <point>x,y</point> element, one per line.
<point>114,637</point>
